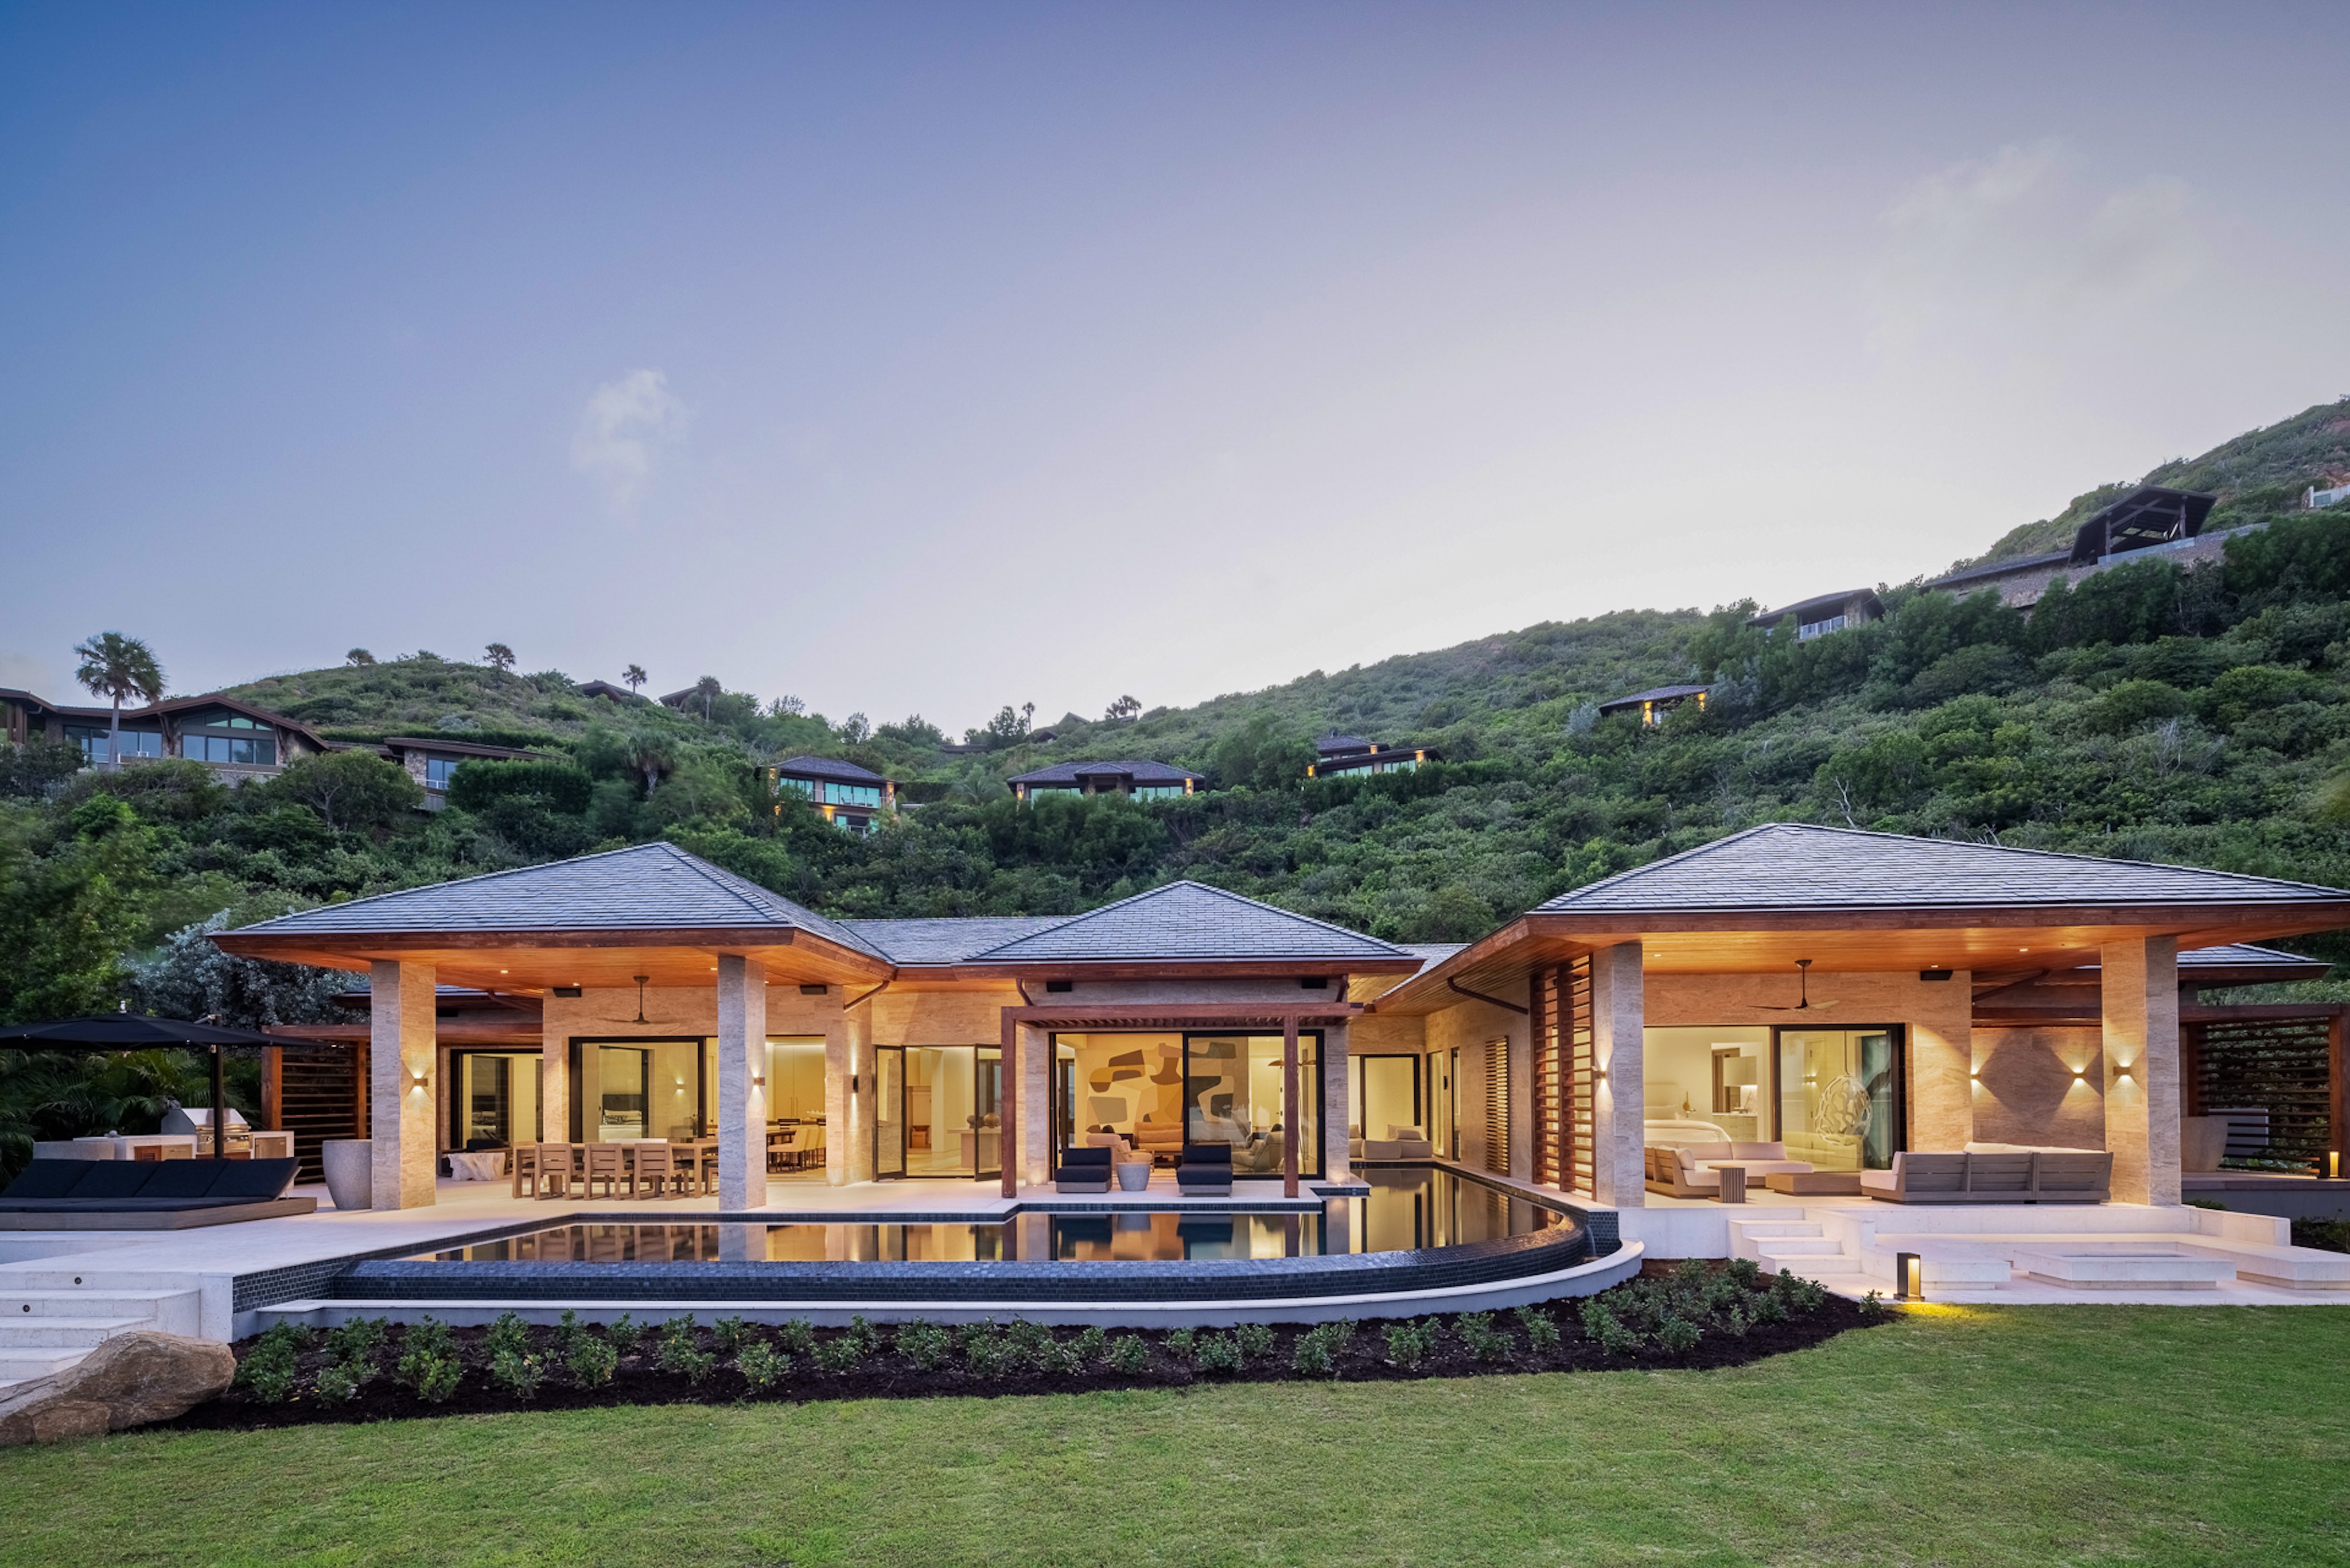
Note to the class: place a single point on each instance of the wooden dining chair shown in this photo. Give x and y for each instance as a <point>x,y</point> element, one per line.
<point>525,1167</point>
<point>655,1170</point>
<point>558,1167</point>
<point>605,1163</point>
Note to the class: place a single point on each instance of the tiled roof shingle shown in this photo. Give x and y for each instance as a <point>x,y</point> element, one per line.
<point>649,887</point>
<point>1797,866</point>
<point>948,939</point>
<point>1188,920</point>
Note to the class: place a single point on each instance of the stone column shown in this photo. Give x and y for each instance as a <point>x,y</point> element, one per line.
<point>2141,982</point>
<point>401,1089</point>
<point>1035,1151</point>
<point>554,1086</point>
<point>1618,1011</point>
<point>1941,1062</point>
<point>840,1032</point>
<point>1336,1165</point>
<point>741,1099</point>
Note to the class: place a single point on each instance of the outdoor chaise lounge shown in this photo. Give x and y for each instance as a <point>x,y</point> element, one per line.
<point>1207,1167</point>
<point>144,1195</point>
<point>1994,1173</point>
<point>1083,1169</point>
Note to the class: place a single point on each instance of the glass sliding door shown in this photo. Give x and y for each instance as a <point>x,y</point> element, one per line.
<point>1384,1093</point>
<point>797,1134</point>
<point>888,1111</point>
<point>1232,1094</point>
<point>497,1099</point>
<point>1839,1096</point>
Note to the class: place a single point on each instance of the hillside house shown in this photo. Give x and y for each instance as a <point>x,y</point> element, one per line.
<point>430,761</point>
<point>851,798</point>
<point>1140,780</point>
<point>2150,523</point>
<point>1653,704</point>
<point>1336,756</point>
<point>1825,613</point>
<point>235,739</point>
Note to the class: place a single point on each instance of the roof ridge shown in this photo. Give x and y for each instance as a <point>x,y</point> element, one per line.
<point>1165,887</point>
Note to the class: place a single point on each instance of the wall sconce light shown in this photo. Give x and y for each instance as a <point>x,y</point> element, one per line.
<point>1974,1071</point>
<point>1909,1277</point>
<point>2334,1165</point>
<point>1599,1074</point>
<point>855,1084</point>
<point>2077,1074</point>
<point>2122,1071</point>
<point>756,1083</point>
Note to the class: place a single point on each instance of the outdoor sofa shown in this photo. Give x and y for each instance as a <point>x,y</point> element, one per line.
<point>1994,1173</point>
<point>148,1195</point>
<point>1401,1143</point>
<point>1693,1170</point>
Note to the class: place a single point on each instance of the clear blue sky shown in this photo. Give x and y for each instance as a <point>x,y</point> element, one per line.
<point>931,357</point>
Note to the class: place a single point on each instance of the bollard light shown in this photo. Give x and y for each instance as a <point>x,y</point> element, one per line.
<point>1910,1277</point>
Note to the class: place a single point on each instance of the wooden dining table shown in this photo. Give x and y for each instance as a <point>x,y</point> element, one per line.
<point>697,1159</point>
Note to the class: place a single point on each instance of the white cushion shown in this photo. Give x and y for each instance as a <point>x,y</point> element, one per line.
<point>1712,1152</point>
<point>1878,1180</point>
<point>1758,1150</point>
<point>1397,1132</point>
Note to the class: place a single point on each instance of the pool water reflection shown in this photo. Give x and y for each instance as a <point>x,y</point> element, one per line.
<point>1407,1209</point>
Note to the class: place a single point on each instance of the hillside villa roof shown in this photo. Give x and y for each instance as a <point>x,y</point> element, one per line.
<point>398,744</point>
<point>1758,901</point>
<point>1653,694</point>
<point>1811,610</point>
<point>827,768</point>
<point>596,920</point>
<point>605,689</point>
<point>2150,514</point>
<point>170,708</point>
<point>948,939</point>
<point>1335,744</point>
<point>1189,921</point>
<point>1136,772</point>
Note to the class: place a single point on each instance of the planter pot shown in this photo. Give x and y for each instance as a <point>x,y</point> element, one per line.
<point>350,1170</point>
<point>2201,1141</point>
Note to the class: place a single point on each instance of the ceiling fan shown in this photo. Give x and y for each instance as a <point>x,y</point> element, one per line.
<point>1803,992</point>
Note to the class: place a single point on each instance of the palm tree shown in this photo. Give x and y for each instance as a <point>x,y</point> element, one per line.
<point>651,754</point>
<point>116,665</point>
<point>708,691</point>
<point>635,675</point>
<point>500,656</point>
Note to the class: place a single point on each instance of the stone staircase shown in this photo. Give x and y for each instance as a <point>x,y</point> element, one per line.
<point>1801,1246</point>
<point>52,1317</point>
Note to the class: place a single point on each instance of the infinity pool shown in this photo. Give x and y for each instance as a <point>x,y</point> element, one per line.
<point>1407,1210</point>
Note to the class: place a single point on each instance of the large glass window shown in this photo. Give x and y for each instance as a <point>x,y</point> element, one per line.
<point>437,771</point>
<point>1158,792</point>
<point>796,1133</point>
<point>640,1089</point>
<point>96,740</point>
<point>852,794</point>
<point>1706,1085</point>
<point>247,750</point>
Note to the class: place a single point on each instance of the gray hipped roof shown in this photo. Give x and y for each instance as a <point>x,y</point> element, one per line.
<point>1188,920</point>
<point>1144,772</point>
<point>1796,866</point>
<point>651,886</point>
<point>827,768</point>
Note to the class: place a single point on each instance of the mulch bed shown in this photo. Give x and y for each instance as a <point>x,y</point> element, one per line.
<point>886,1372</point>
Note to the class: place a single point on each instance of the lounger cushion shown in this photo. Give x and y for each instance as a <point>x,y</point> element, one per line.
<point>1877,1180</point>
<point>50,1177</point>
<point>1097,1156</point>
<point>182,1178</point>
<point>252,1180</point>
<point>117,1178</point>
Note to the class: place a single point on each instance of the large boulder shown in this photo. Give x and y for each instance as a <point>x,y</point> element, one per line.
<point>128,1381</point>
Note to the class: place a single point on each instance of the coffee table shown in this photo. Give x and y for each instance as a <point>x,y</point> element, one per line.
<point>1814,1183</point>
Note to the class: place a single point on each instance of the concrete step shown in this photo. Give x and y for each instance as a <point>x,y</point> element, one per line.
<point>15,1306</point>
<point>1774,1227</point>
<point>1810,1265</point>
<point>64,1333</point>
<point>1802,1247</point>
<point>97,1279</point>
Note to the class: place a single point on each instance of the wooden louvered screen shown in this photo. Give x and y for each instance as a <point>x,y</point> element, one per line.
<point>1575,1082</point>
<point>320,1096</point>
<point>1542,1019</point>
<point>2280,1065</point>
<point>1497,1106</point>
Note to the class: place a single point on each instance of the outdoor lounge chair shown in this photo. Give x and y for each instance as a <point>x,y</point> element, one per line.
<point>1206,1169</point>
<point>1083,1170</point>
<point>141,1194</point>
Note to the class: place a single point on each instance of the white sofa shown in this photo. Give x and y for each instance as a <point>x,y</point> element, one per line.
<point>1695,1170</point>
<point>1401,1143</point>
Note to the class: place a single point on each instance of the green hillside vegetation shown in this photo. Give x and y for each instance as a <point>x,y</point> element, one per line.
<point>2256,476</point>
<point>2198,718</point>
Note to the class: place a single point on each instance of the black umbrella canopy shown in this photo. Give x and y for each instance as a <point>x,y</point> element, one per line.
<point>126,1031</point>
<point>138,1032</point>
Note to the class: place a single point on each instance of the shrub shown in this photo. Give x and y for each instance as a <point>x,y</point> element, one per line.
<point>592,1360</point>
<point>729,1332</point>
<point>1485,1342</point>
<point>624,1331</point>
<point>429,1356</point>
<point>1217,1354</point>
<point>1315,1354</point>
<point>762,1365</point>
<point>1607,1329</point>
<point>268,1368</point>
<point>1179,1341</point>
<point>926,1345</point>
<point>868,1338</point>
<point>1032,1343</point>
<point>518,1373</point>
<point>1745,1271</point>
<point>355,1344</point>
<point>1091,1343</point>
<point>989,1353</point>
<point>429,1335</point>
<point>840,1354</point>
<point>567,1330</point>
<point>1871,1304</point>
<point>338,1383</point>
<point>1800,1295</point>
<point>796,1336</point>
<point>509,1334</point>
<point>438,1377</point>
<point>1542,1329</point>
<point>1409,1344</point>
<point>1129,1353</point>
<point>1255,1341</point>
<point>680,1351</point>
<point>1678,1334</point>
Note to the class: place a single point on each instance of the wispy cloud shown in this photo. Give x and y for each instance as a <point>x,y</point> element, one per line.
<point>2025,237</point>
<point>623,431</point>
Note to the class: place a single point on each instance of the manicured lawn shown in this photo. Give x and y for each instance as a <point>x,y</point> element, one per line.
<point>2076,1436</point>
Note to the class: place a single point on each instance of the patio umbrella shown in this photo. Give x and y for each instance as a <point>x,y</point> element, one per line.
<point>138,1032</point>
